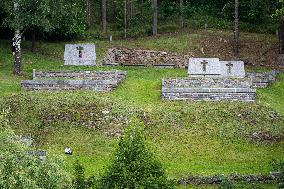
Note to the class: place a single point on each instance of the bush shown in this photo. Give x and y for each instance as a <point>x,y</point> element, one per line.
<point>133,165</point>
<point>279,166</point>
<point>226,184</point>
<point>19,170</point>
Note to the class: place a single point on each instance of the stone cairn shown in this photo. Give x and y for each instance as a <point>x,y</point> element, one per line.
<point>144,58</point>
<point>101,81</point>
<point>210,79</point>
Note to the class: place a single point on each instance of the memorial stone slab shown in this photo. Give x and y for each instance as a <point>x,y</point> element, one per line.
<point>233,69</point>
<point>80,54</point>
<point>204,67</point>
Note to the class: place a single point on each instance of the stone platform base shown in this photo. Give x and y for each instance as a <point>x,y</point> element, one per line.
<point>101,81</point>
<point>263,79</point>
<point>208,89</point>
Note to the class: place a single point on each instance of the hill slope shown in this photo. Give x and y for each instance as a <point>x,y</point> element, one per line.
<point>188,137</point>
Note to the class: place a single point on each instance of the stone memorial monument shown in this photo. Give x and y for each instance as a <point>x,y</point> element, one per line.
<point>204,67</point>
<point>210,79</point>
<point>233,69</point>
<point>214,68</point>
<point>80,54</point>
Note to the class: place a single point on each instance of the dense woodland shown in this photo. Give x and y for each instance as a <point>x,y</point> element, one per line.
<point>58,19</point>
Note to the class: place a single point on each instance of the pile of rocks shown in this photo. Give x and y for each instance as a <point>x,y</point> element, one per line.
<point>101,81</point>
<point>147,58</point>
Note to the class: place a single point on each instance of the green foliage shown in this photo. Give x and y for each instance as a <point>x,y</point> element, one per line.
<point>79,182</point>
<point>279,166</point>
<point>64,18</point>
<point>29,13</point>
<point>227,184</point>
<point>19,170</point>
<point>68,18</point>
<point>280,11</point>
<point>133,165</point>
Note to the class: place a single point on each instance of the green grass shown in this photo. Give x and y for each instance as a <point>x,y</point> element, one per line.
<point>201,138</point>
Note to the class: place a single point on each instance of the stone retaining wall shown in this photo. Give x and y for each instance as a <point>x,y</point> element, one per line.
<point>263,79</point>
<point>93,75</point>
<point>217,179</point>
<point>101,81</point>
<point>132,57</point>
<point>208,89</point>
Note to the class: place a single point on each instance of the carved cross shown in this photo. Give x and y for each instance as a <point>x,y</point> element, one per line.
<point>230,66</point>
<point>80,53</point>
<point>204,65</point>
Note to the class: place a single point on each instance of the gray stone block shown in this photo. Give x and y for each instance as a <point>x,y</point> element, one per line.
<point>234,69</point>
<point>212,67</point>
<point>204,67</point>
<point>80,54</point>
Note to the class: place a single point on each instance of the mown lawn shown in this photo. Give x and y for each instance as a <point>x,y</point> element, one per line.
<point>188,137</point>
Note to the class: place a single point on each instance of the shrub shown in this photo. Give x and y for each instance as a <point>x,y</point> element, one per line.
<point>20,170</point>
<point>133,165</point>
<point>79,182</point>
<point>278,165</point>
<point>226,184</point>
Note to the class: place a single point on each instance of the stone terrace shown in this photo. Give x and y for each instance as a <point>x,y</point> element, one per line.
<point>101,81</point>
<point>208,89</point>
<point>262,79</point>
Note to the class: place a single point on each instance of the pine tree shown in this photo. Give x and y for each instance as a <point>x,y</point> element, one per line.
<point>134,165</point>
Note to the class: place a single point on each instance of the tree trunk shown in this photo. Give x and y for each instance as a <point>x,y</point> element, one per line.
<point>181,20</point>
<point>17,45</point>
<point>281,36</point>
<point>236,30</point>
<point>33,40</point>
<point>89,13</point>
<point>155,17</point>
<point>113,12</point>
<point>142,8</point>
<point>104,21</point>
<point>125,18</point>
<point>131,8</point>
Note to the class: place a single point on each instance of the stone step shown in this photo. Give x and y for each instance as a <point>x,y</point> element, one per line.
<point>93,75</point>
<point>208,90</point>
<point>95,85</point>
<point>263,79</point>
<point>243,97</point>
<point>207,83</point>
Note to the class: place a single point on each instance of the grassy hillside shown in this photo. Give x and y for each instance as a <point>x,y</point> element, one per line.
<point>188,137</point>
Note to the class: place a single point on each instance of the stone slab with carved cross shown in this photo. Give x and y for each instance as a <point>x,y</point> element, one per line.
<point>214,68</point>
<point>234,69</point>
<point>204,67</point>
<point>80,54</point>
